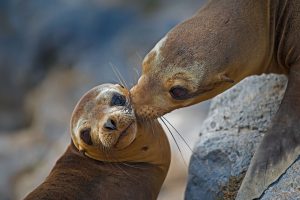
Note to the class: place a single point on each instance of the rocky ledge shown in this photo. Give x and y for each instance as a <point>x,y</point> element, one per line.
<point>237,121</point>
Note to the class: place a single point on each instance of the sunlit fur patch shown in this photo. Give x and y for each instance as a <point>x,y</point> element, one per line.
<point>154,56</point>
<point>158,46</point>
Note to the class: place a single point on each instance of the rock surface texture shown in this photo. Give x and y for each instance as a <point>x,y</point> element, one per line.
<point>237,121</point>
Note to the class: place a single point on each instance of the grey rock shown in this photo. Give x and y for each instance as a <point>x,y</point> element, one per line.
<point>236,123</point>
<point>287,187</point>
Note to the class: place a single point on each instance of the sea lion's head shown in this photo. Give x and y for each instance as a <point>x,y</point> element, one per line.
<point>197,60</point>
<point>104,127</point>
<point>103,120</point>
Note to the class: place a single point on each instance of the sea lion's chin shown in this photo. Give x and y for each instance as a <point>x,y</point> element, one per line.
<point>119,139</point>
<point>127,137</point>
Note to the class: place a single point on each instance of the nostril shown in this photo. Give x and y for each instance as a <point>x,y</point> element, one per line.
<point>110,125</point>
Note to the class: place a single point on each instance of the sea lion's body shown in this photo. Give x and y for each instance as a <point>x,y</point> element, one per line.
<point>76,176</point>
<point>224,42</point>
<point>112,155</point>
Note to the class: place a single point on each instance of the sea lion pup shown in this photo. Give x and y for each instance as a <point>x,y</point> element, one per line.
<point>223,43</point>
<point>112,155</point>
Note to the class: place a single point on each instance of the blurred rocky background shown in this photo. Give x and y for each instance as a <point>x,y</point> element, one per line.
<point>51,52</point>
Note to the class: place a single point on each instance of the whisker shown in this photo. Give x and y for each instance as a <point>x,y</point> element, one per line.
<point>132,165</point>
<point>195,155</point>
<point>174,141</point>
<point>119,165</point>
<point>124,80</point>
<point>155,135</point>
<point>120,75</point>
<point>116,163</point>
<point>117,75</point>
<point>106,152</point>
<point>137,74</point>
<point>139,56</point>
<point>150,123</point>
<point>124,171</point>
<point>121,81</point>
<point>186,143</point>
<point>136,71</point>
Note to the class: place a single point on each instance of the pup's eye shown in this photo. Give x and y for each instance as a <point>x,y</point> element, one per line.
<point>85,135</point>
<point>178,92</point>
<point>118,100</point>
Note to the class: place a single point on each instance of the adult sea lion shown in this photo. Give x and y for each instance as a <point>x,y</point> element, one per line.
<point>224,42</point>
<point>112,155</point>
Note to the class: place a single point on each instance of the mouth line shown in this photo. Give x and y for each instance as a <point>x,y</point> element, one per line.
<point>125,130</point>
<point>123,134</point>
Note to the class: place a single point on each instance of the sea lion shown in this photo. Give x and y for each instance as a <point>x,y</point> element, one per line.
<point>224,42</point>
<point>112,155</point>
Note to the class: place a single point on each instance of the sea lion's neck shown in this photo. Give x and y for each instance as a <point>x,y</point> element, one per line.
<point>280,20</point>
<point>277,24</point>
<point>150,146</point>
<point>75,176</point>
<point>285,30</point>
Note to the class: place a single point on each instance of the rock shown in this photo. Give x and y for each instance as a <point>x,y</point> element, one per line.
<point>287,187</point>
<point>236,123</point>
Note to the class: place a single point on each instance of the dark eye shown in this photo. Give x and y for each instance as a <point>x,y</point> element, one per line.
<point>178,92</point>
<point>85,135</point>
<point>118,100</point>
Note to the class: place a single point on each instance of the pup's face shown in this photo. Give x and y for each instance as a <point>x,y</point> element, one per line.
<point>103,120</point>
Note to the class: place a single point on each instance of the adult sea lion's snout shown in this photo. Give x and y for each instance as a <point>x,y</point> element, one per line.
<point>145,105</point>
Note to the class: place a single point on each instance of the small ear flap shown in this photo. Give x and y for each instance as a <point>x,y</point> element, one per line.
<point>225,78</point>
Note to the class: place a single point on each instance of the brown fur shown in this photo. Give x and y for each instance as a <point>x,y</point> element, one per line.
<point>76,176</point>
<point>92,170</point>
<point>224,42</point>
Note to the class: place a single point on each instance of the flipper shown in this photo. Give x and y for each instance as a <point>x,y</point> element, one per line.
<point>279,148</point>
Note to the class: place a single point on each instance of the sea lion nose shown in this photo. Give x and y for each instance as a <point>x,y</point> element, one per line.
<point>110,125</point>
